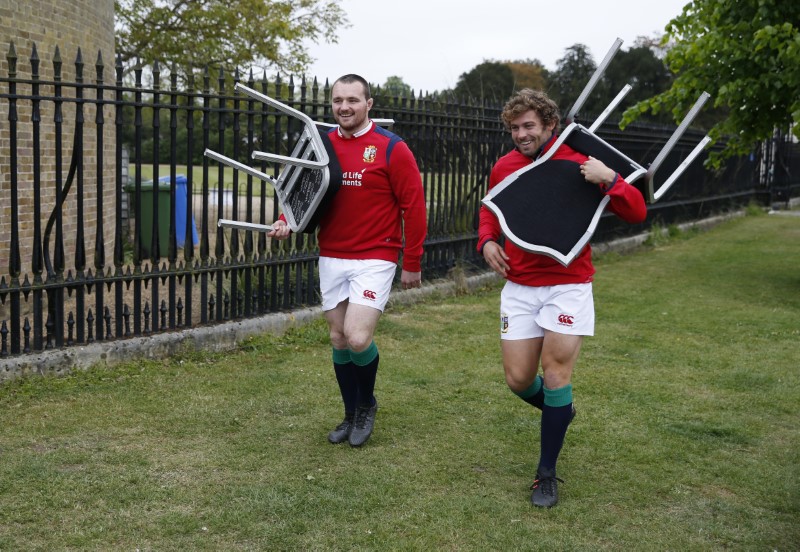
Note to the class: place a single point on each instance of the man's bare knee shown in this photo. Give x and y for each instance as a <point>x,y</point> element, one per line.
<point>338,340</point>
<point>518,381</point>
<point>359,341</point>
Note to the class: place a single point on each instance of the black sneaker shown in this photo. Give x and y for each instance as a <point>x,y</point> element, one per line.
<point>342,431</point>
<point>545,488</point>
<point>363,424</point>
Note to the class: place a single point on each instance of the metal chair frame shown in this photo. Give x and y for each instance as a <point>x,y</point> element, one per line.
<point>306,170</point>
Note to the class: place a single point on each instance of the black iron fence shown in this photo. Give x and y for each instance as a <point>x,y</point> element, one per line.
<point>160,262</point>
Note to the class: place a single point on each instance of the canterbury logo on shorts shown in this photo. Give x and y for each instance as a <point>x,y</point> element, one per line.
<point>565,320</point>
<point>371,295</point>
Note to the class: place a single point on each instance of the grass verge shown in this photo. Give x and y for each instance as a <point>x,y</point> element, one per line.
<point>687,434</point>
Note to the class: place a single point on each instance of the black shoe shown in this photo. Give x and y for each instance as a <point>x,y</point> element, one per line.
<point>342,431</point>
<point>545,488</point>
<point>363,424</point>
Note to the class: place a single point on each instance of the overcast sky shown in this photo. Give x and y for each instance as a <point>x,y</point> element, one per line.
<point>430,43</point>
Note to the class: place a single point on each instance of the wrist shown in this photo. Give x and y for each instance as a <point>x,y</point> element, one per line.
<point>607,183</point>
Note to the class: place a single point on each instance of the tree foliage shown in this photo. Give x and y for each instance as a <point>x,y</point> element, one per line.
<point>499,79</point>
<point>395,86</point>
<point>490,79</point>
<point>640,66</point>
<point>233,33</point>
<point>746,54</point>
<point>528,73</point>
<point>572,73</point>
<point>642,69</point>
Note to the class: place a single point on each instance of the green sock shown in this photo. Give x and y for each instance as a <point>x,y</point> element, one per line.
<point>533,395</point>
<point>366,356</point>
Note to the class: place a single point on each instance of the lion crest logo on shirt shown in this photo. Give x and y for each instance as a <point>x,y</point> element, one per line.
<point>369,154</point>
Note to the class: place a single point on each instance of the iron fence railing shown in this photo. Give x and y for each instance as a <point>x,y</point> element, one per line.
<point>159,262</point>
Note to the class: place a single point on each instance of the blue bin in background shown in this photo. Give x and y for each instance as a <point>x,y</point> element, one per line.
<point>180,210</point>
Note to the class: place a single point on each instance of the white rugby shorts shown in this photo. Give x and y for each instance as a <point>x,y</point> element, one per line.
<point>527,311</point>
<point>363,282</point>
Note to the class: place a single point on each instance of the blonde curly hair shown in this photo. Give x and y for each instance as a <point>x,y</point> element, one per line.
<point>527,99</point>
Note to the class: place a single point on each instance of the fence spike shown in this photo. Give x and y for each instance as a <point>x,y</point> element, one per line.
<point>12,60</point>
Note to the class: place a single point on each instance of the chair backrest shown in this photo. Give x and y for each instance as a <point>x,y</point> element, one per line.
<point>548,209</point>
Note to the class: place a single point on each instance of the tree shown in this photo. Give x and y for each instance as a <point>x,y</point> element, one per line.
<point>528,73</point>
<point>233,33</point>
<point>490,79</point>
<point>745,54</point>
<point>396,86</point>
<point>572,73</point>
<point>640,67</point>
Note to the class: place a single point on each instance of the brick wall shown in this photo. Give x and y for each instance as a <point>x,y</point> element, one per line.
<point>70,25</point>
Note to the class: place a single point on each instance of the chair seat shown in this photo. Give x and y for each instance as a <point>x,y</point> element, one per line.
<point>548,207</point>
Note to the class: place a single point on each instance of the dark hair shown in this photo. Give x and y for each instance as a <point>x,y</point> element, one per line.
<point>351,78</point>
<point>529,99</point>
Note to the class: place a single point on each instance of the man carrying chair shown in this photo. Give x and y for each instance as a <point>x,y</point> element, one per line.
<point>377,212</point>
<point>546,197</point>
<point>546,307</point>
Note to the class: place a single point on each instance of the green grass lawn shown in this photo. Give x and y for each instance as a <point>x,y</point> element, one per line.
<point>686,438</point>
